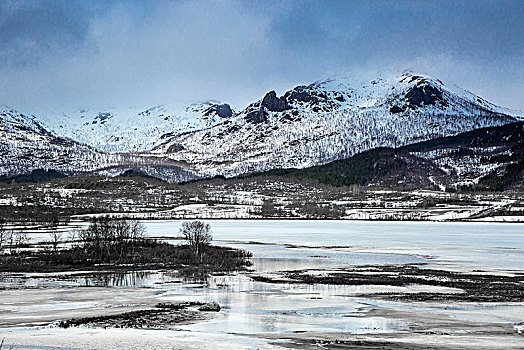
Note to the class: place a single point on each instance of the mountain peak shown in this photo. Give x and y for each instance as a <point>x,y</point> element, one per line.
<point>333,119</point>
<point>307,125</point>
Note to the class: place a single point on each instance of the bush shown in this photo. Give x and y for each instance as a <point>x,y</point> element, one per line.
<point>115,242</point>
<point>197,234</point>
<point>108,239</point>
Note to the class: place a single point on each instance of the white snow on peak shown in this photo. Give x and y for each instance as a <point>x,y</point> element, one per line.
<point>333,119</point>
<point>133,129</point>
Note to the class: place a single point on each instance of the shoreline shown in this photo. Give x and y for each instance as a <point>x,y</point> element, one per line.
<point>295,316</point>
<point>136,216</point>
<point>437,285</point>
<point>421,330</point>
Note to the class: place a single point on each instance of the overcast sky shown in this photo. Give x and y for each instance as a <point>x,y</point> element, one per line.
<point>62,55</point>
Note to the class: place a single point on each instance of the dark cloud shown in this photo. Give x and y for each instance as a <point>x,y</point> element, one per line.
<point>31,31</point>
<point>64,54</point>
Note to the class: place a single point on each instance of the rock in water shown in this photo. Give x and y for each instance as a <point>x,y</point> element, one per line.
<point>211,306</point>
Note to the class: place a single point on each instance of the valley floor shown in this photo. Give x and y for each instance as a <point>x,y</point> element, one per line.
<point>248,199</point>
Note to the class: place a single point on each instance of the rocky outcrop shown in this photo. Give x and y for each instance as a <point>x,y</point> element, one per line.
<point>274,103</point>
<point>396,109</point>
<point>211,306</point>
<point>301,94</point>
<point>223,110</point>
<point>257,116</point>
<point>423,95</point>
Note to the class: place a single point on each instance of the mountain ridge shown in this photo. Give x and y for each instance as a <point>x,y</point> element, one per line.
<point>307,126</point>
<point>494,157</point>
<point>325,121</point>
<point>134,129</point>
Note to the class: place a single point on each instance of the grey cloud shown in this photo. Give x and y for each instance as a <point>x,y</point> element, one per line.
<point>61,55</point>
<point>30,31</point>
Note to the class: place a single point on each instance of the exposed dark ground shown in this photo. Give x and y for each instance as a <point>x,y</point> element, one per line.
<point>52,203</point>
<point>163,316</point>
<point>476,287</point>
<point>150,256</point>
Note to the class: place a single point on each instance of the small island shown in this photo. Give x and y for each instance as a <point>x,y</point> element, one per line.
<point>120,245</point>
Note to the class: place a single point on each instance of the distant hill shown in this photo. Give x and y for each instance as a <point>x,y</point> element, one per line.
<point>330,120</point>
<point>485,159</point>
<point>309,125</point>
<point>138,174</point>
<point>124,130</point>
<point>37,175</point>
<point>380,167</point>
<point>25,145</point>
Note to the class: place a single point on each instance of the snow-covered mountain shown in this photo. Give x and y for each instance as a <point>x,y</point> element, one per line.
<point>329,120</point>
<point>308,125</point>
<point>25,145</point>
<point>134,129</point>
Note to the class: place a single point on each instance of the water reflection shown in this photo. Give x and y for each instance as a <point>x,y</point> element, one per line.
<point>120,279</point>
<point>128,279</point>
<point>143,279</point>
<point>253,307</point>
<point>247,306</point>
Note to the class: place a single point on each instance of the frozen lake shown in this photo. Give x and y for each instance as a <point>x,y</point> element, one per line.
<point>471,245</point>
<point>468,245</point>
<point>251,307</point>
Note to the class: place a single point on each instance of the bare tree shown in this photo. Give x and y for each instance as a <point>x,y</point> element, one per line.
<point>197,234</point>
<point>8,240</point>
<point>136,230</point>
<point>20,239</point>
<point>2,236</point>
<point>268,209</point>
<point>72,236</point>
<point>55,239</point>
<point>108,238</point>
<point>3,239</point>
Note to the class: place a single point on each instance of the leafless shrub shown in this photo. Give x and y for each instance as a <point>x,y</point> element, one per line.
<point>3,239</point>
<point>20,239</point>
<point>109,238</point>
<point>55,238</point>
<point>197,234</point>
<point>7,240</point>
<point>72,236</point>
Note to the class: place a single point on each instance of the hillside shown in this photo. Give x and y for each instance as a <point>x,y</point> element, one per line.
<point>26,145</point>
<point>330,120</point>
<point>130,130</point>
<point>488,158</point>
<point>484,159</point>
<point>307,126</point>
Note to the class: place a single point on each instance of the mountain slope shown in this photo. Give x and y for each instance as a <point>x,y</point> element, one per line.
<point>484,159</point>
<point>488,158</point>
<point>25,145</point>
<point>134,129</point>
<point>307,126</point>
<point>330,120</point>
<point>37,175</point>
<point>381,166</point>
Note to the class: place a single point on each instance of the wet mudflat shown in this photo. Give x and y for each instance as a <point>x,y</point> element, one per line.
<point>163,316</point>
<point>472,287</point>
